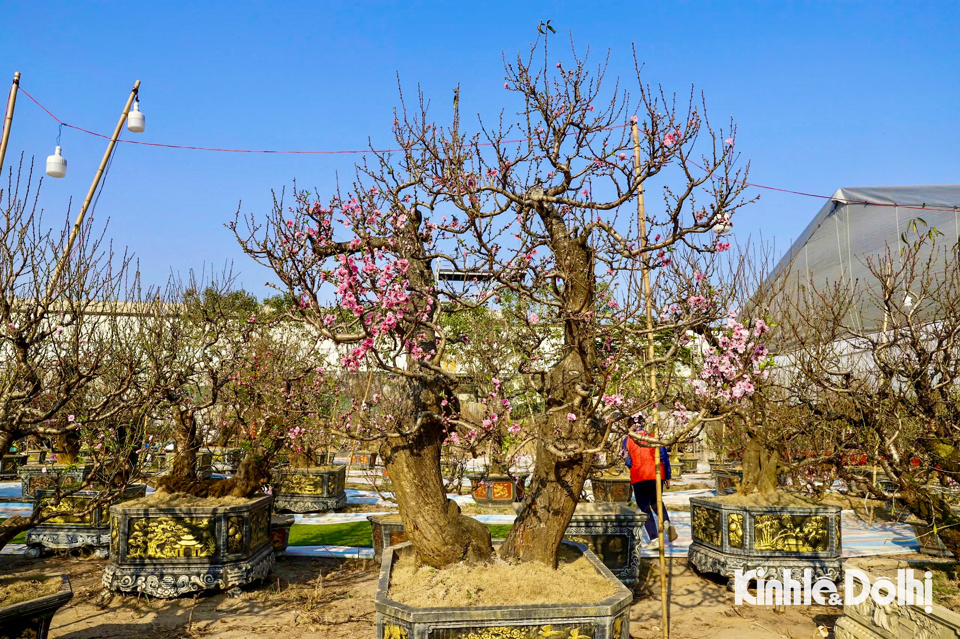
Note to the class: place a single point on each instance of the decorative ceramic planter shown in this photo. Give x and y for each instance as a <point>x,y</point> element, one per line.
<point>497,489</point>
<point>156,463</point>
<point>388,531</point>
<point>224,460</point>
<point>612,489</point>
<point>168,552</point>
<point>688,463</point>
<point>31,619</point>
<point>10,465</point>
<point>34,477</point>
<point>37,456</point>
<point>325,459</point>
<point>606,619</point>
<point>727,480</point>
<point>280,526</point>
<point>311,490</point>
<point>614,533</point>
<point>67,532</point>
<point>363,460</point>
<point>869,620</point>
<point>727,537</point>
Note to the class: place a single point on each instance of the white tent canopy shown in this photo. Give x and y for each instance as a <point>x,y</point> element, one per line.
<point>859,224</point>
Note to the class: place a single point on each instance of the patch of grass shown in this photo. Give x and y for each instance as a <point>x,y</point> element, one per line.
<point>358,533</point>
<point>19,539</point>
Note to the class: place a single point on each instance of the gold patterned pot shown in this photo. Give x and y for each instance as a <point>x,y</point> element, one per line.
<point>607,618</point>
<point>10,465</point>
<point>31,618</point>
<point>309,490</point>
<point>612,489</point>
<point>280,526</point>
<point>171,551</point>
<point>363,460</point>
<point>68,532</point>
<point>34,477</point>
<point>387,530</point>
<point>728,536</point>
<point>224,460</point>
<point>497,489</point>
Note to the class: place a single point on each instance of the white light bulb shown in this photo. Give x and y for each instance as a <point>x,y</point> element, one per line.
<point>56,165</point>
<point>723,225</point>
<point>135,120</point>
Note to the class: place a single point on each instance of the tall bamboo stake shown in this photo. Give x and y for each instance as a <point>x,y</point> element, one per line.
<point>78,223</point>
<point>8,117</point>
<point>651,355</point>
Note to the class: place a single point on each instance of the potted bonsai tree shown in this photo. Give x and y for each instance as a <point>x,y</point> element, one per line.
<point>451,200</point>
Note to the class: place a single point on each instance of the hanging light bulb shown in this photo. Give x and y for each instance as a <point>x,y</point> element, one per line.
<point>723,225</point>
<point>135,119</point>
<point>56,164</point>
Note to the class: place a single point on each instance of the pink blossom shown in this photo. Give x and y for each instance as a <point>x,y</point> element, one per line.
<point>70,418</point>
<point>633,119</point>
<point>533,318</point>
<point>572,417</point>
<point>728,141</point>
<point>506,85</point>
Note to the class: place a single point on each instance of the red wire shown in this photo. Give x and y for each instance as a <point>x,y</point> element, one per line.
<point>204,148</point>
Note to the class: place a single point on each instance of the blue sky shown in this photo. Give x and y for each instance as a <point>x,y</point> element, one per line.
<point>825,95</point>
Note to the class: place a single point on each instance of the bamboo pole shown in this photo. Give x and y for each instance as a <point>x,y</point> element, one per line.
<point>8,117</point>
<point>651,355</point>
<point>78,223</point>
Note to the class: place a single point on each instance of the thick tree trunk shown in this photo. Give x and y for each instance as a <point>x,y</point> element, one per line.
<point>440,534</point>
<point>935,511</point>
<point>557,482</point>
<point>11,527</point>
<point>760,469</point>
<point>547,509</point>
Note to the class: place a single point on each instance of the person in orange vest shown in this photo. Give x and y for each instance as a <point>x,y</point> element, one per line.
<point>640,460</point>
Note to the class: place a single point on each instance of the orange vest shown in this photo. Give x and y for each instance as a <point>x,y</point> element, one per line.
<point>642,460</point>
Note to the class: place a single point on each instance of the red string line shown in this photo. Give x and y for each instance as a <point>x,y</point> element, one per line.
<point>619,126</point>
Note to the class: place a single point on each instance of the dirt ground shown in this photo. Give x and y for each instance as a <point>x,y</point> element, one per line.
<point>333,598</point>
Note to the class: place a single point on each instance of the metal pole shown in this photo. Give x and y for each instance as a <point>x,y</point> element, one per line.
<point>93,189</point>
<point>651,355</point>
<point>8,118</point>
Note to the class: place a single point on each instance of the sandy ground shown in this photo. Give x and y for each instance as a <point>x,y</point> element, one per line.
<point>333,598</point>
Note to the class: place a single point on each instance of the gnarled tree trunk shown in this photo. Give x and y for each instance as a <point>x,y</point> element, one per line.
<point>439,532</point>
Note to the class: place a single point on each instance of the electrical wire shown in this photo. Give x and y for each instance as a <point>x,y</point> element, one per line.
<point>520,140</point>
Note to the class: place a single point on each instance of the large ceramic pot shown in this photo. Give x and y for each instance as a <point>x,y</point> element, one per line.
<point>325,459</point>
<point>363,460</point>
<point>67,532</point>
<point>603,619</point>
<point>34,477</point>
<point>10,465</point>
<point>497,489</point>
<point>614,533</point>
<point>171,551</point>
<point>387,530</point>
<point>36,456</point>
<point>727,537</point>
<point>870,620</point>
<point>612,488</point>
<point>311,490</point>
<point>224,460</point>
<point>31,619</point>
<point>688,463</point>
<point>280,526</point>
<point>727,479</point>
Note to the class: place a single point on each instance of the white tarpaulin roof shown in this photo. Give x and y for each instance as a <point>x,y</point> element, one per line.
<point>861,223</point>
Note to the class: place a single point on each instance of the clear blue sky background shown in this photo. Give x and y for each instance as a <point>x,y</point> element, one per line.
<point>825,95</point>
